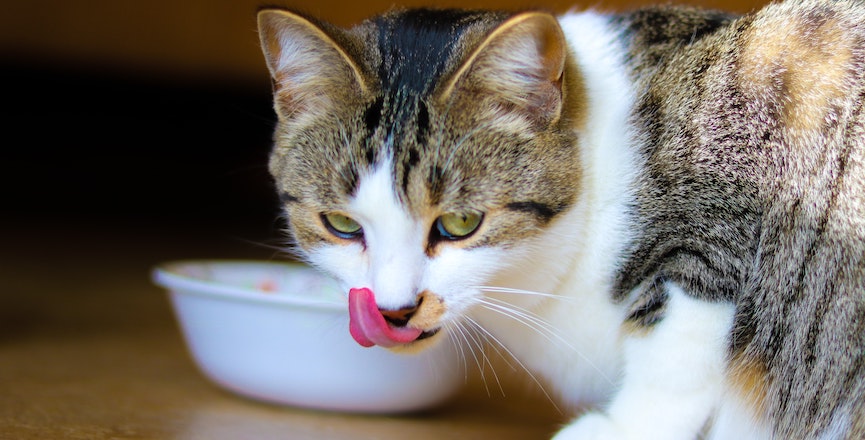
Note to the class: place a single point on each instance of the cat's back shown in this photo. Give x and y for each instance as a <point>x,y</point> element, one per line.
<point>753,191</point>
<point>748,122</point>
<point>784,73</point>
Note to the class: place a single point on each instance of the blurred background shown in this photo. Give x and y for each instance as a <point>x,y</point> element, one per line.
<point>137,132</point>
<point>153,118</point>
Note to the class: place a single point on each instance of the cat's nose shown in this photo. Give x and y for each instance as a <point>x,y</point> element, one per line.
<point>399,318</point>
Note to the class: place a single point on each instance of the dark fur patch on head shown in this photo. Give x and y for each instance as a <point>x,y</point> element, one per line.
<point>415,46</point>
<point>423,124</point>
<point>372,115</point>
<point>414,50</point>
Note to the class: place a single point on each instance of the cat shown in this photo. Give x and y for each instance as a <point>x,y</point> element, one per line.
<point>659,213</point>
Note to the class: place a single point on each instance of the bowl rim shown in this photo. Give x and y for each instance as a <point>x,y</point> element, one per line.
<point>167,275</point>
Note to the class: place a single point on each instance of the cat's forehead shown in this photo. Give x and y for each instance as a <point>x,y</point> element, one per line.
<point>408,55</point>
<point>413,49</point>
<point>416,47</point>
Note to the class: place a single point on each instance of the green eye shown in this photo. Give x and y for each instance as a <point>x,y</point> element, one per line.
<point>457,225</point>
<point>342,226</point>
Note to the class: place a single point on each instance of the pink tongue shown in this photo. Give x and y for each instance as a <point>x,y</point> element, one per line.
<point>367,325</point>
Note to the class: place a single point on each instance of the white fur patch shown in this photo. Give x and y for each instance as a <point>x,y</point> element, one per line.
<point>735,420</point>
<point>574,340</point>
<point>393,263</point>
<point>673,377</point>
<point>394,240</point>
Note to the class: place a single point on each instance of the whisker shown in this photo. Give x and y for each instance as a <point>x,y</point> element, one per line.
<point>285,250</point>
<point>468,344</point>
<point>276,248</point>
<point>453,336</point>
<point>473,341</point>
<point>494,347</point>
<point>531,375</point>
<point>482,334</point>
<point>539,325</point>
<point>483,341</point>
<point>508,290</point>
<point>534,323</point>
<point>473,345</point>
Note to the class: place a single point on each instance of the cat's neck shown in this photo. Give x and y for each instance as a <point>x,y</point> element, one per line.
<point>577,258</point>
<point>584,244</point>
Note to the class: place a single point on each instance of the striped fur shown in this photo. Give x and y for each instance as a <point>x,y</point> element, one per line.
<point>690,182</point>
<point>754,193</point>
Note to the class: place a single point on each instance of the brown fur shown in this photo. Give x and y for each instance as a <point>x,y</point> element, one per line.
<point>319,160</point>
<point>755,137</point>
<point>431,308</point>
<point>752,187</point>
<point>750,380</point>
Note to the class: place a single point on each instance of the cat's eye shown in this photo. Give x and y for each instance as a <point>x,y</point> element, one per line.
<point>457,225</point>
<point>341,225</point>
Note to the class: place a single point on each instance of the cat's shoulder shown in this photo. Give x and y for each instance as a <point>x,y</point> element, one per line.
<point>798,26</point>
<point>798,60</point>
<point>808,52</point>
<point>804,29</point>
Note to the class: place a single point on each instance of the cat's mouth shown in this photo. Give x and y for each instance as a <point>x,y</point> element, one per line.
<point>368,326</point>
<point>428,334</point>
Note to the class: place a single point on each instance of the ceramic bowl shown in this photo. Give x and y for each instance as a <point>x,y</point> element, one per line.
<point>279,333</point>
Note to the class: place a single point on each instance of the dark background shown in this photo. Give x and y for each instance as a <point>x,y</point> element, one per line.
<point>150,119</point>
<point>89,149</point>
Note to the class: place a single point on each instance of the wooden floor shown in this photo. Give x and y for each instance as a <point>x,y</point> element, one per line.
<point>89,349</point>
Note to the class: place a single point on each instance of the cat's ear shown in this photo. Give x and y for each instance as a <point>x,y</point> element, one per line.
<point>522,64</point>
<point>310,70</point>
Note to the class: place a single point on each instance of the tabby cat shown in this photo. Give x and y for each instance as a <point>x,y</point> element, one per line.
<point>659,213</point>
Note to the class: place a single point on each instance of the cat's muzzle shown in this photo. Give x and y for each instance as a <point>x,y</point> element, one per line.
<point>370,326</point>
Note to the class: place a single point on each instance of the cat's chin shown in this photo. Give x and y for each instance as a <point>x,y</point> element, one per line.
<point>425,341</point>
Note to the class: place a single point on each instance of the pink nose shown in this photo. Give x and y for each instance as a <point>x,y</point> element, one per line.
<point>370,326</point>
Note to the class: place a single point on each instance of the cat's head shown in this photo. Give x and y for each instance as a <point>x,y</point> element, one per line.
<point>420,154</point>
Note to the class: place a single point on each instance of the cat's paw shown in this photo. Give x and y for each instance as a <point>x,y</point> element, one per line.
<point>591,426</point>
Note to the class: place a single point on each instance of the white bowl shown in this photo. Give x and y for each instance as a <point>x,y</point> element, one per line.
<point>279,333</point>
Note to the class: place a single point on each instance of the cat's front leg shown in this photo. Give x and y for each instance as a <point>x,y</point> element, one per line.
<point>673,375</point>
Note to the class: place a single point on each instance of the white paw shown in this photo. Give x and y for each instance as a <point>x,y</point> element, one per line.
<point>591,426</point>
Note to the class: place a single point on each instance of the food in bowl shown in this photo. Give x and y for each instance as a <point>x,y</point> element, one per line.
<point>279,332</point>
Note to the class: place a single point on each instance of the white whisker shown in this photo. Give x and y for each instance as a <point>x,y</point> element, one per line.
<point>489,336</point>
<point>453,336</point>
<point>472,339</point>
<point>508,290</point>
<point>494,347</point>
<point>484,336</point>
<point>537,324</point>
<point>468,344</point>
<point>532,322</point>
